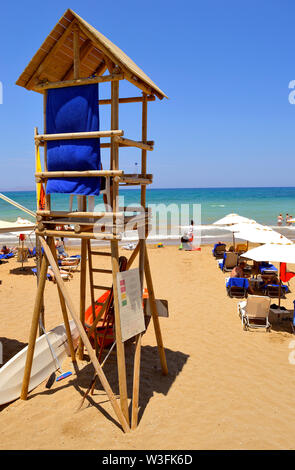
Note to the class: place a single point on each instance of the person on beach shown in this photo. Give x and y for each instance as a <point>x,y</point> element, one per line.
<point>238,271</point>
<point>60,249</point>
<point>188,234</point>
<point>62,271</point>
<point>287,218</point>
<point>280,219</point>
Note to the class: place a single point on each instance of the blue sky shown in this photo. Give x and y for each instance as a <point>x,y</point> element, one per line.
<point>225,66</point>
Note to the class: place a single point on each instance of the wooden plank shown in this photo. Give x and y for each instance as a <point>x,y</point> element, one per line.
<point>136,367</point>
<point>80,135</point>
<point>76,57</point>
<point>84,51</point>
<point>135,99</point>
<point>133,143</point>
<point>97,367</point>
<point>90,267</point>
<point>119,344</point>
<point>83,265</point>
<point>101,253</point>
<point>34,328</point>
<point>78,82</point>
<point>101,287</point>
<point>106,145</point>
<point>63,308</point>
<point>71,234</point>
<point>77,214</point>
<point>49,56</point>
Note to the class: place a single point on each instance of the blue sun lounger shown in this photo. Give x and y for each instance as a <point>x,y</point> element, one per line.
<point>272,290</point>
<point>6,256</point>
<point>267,268</point>
<point>237,287</point>
<point>218,250</point>
<point>229,261</point>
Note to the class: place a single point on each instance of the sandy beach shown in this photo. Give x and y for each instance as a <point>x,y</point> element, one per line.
<point>226,388</point>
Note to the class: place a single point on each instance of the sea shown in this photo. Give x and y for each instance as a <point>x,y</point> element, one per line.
<point>175,208</point>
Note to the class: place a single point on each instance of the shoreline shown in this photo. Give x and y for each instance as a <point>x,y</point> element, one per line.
<point>204,235</point>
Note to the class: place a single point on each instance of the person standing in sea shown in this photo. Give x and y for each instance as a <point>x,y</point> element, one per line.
<point>280,219</point>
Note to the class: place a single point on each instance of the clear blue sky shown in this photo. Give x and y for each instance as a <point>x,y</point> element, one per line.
<point>225,66</point>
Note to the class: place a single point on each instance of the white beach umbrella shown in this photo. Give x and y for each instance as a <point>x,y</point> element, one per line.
<point>251,225</point>
<point>262,235</point>
<point>231,219</point>
<point>274,252</point>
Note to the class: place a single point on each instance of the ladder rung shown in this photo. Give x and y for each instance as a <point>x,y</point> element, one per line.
<point>103,271</point>
<point>102,287</point>
<point>101,253</point>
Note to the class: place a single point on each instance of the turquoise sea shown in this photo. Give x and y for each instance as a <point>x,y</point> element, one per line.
<point>260,204</point>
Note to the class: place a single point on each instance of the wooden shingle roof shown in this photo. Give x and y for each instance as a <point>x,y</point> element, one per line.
<point>53,62</point>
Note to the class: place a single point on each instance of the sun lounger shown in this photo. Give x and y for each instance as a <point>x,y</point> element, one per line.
<point>237,287</point>
<point>241,248</point>
<point>7,255</point>
<point>219,250</point>
<point>49,277</point>
<point>254,312</point>
<point>267,268</point>
<point>230,260</point>
<point>273,290</point>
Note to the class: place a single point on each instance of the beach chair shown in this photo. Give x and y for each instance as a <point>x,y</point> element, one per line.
<point>237,287</point>
<point>241,248</point>
<point>230,260</point>
<point>219,250</point>
<point>267,268</point>
<point>273,291</point>
<point>73,267</point>
<point>49,277</point>
<point>254,312</point>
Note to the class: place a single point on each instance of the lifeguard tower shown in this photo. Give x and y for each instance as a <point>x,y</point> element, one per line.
<point>67,69</point>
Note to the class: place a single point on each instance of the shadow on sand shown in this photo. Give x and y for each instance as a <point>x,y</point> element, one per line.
<point>151,379</point>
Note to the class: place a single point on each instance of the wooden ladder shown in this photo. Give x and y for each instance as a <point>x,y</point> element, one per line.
<point>94,287</point>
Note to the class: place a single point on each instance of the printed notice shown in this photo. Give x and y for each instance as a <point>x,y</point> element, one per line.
<point>130,303</point>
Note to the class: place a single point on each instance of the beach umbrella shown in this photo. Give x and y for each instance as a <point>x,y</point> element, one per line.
<point>261,235</point>
<point>274,252</point>
<point>231,219</point>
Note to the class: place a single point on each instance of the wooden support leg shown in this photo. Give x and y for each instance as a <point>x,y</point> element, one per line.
<point>82,292</point>
<point>64,309</point>
<point>137,355</point>
<point>119,344</point>
<point>85,339</point>
<point>133,255</point>
<point>154,312</point>
<point>92,293</point>
<point>38,261</point>
<point>34,327</point>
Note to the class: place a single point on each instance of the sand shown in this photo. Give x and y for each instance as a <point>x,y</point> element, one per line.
<point>226,388</point>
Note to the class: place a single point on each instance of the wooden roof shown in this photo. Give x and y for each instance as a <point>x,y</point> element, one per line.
<point>53,62</point>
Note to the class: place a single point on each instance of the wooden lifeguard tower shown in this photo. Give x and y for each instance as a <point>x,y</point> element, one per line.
<point>76,54</point>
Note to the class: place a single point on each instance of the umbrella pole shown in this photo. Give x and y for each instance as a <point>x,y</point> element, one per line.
<point>280,286</point>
